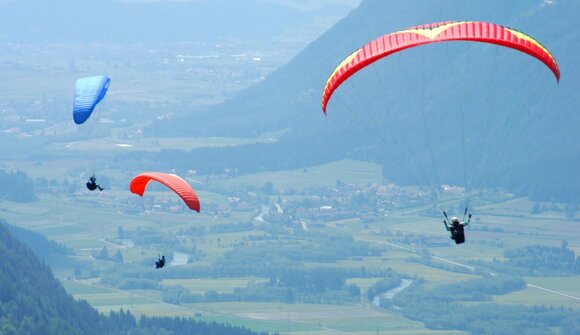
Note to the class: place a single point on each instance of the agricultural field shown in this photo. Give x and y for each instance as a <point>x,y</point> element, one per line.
<point>87,222</point>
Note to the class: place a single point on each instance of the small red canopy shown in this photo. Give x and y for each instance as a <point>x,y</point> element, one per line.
<point>139,183</point>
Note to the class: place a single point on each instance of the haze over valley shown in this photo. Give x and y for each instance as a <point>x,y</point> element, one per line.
<point>309,223</point>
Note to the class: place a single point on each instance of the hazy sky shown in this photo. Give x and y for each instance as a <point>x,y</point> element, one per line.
<point>167,20</point>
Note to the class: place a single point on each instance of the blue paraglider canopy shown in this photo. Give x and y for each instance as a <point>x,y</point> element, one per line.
<point>89,91</point>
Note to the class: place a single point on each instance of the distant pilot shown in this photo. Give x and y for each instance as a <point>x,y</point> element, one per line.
<point>160,263</point>
<point>92,184</point>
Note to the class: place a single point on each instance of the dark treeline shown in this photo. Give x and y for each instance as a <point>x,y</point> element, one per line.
<point>265,157</point>
<point>265,293</point>
<point>33,302</point>
<point>491,319</point>
<point>389,281</point>
<point>125,323</point>
<point>16,186</point>
<point>538,260</point>
<point>471,290</point>
<point>479,289</point>
<point>325,250</point>
<point>442,308</point>
<point>296,285</point>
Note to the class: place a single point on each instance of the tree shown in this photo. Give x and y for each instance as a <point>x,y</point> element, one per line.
<point>268,187</point>
<point>118,258</point>
<point>370,294</point>
<point>210,296</point>
<point>570,211</point>
<point>103,254</point>
<point>354,290</point>
<point>78,269</point>
<point>289,296</point>
<point>120,233</point>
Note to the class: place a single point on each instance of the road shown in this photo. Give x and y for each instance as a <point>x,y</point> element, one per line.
<point>471,268</point>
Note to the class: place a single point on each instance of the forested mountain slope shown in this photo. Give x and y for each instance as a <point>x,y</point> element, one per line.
<point>32,301</point>
<point>464,113</point>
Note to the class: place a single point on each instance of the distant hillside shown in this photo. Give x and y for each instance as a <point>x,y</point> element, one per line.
<point>16,186</point>
<point>515,120</point>
<point>40,245</point>
<point>33,302</point>
<point>85,21</point>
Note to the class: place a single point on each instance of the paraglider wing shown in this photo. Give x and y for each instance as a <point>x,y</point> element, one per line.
<point>89,91</point>
<point>174,182</point>
<point>437,32</point>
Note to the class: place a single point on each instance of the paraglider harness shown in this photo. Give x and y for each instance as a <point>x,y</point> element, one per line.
<point>92,184</point>
<point>160,263</point>
<point>457,228</point>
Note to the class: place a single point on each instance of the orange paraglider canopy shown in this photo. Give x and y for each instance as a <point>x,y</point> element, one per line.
<point>431,33</point>
<point>139,183</point>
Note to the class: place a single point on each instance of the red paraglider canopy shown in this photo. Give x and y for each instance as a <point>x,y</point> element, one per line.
<point>431,33</point>
<point>174,182</point>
